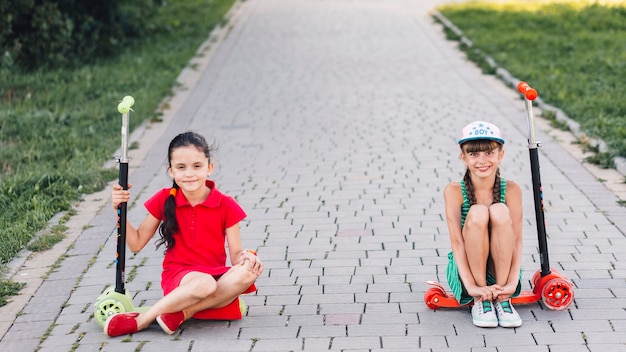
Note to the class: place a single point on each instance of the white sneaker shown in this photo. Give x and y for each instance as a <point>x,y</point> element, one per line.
<point>507,316</point>
<point>483,315</point>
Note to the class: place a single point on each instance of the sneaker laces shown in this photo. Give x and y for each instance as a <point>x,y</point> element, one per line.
<point>506,306</point>
<point>487,307</point>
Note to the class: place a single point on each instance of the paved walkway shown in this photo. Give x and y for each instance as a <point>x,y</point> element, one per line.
<point>337,123</point>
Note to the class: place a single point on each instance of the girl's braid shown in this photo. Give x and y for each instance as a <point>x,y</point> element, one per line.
<point>469,187</point>
<point>496,188</point>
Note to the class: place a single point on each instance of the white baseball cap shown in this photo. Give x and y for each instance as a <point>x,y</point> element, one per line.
<point>481,130</point>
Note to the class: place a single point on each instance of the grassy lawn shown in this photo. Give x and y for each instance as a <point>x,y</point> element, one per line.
<point>59,127</point>
<point>572,52</point>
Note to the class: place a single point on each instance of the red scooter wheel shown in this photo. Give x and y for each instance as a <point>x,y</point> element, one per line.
<point>432,297</point>
<point>557,294</point>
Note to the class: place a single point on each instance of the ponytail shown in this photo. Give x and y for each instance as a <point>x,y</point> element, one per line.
<point>169,226</point>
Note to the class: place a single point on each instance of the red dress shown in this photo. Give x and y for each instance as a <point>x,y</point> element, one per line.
<point>200,240</point>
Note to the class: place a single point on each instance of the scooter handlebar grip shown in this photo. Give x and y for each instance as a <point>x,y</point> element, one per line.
<point>527,91</point>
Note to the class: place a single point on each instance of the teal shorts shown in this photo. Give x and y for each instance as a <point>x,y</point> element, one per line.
<point>459,292</point>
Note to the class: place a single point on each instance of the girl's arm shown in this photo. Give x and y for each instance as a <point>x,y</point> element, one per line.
<point>136,238</point>
<point>237,255</point>
<point>233,237</point>
<point>514,203</point>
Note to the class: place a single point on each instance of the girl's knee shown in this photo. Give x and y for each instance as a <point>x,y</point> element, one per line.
<point>477,216</point>
<point>499,214</point>
<point>243,276</point>
<point>202,285</point>
<point>498,208</point>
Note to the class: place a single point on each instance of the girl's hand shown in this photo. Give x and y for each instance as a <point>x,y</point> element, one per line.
<point>119,195</point>
<point>507,291</point>
<point>485,293</point>
<point>255,264</point>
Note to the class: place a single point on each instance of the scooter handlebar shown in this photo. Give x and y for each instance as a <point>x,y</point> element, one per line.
<point>126,104</point>
<point>527,91</point>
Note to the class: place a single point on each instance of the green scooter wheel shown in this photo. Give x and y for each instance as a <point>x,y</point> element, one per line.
<point>110,303</point>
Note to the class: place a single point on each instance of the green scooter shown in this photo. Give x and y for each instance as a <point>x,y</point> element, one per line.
<point>116,299</point>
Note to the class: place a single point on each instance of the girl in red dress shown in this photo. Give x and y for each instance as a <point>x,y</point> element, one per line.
<point>194,220</point>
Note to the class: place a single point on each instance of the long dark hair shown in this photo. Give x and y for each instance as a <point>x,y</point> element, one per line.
<point>169,226</point>
<point>476,146</point>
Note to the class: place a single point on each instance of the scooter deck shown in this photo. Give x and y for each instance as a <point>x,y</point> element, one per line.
<point>554,290</point>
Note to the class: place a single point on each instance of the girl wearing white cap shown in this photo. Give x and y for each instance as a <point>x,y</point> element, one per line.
<point>484,216</point>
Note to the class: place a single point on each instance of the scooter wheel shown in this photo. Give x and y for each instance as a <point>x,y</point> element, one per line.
<point>557,294</point>
<point>432,296</point>
<point>106,308</point>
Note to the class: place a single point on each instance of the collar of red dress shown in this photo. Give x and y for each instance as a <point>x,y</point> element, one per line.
<point>212,201</point>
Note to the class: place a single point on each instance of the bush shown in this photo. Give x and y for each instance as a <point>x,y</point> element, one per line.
<point>65,32</point>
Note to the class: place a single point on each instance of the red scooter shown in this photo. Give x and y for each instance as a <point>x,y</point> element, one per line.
<point>555,290</point>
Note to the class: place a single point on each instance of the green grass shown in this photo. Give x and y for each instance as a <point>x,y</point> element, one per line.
<point>572,52</point>
<point>47,240</point>
<point>58,127</point>
<point>8,289</point>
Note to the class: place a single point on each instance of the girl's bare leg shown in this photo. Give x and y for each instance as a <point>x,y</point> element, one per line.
<point>193,287</point>
<point>229,286</point>
<point>502,241</point>
<point>476,236</point>
<point>199,291</point>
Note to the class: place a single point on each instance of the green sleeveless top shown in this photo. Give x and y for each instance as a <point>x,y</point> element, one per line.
<point>466,203</point>
<point>452,271</point>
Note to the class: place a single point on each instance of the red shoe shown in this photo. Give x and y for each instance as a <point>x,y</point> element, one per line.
<point>170,322</point>
<point>121,324</point>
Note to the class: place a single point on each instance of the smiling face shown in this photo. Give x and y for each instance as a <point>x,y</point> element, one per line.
<point>482,157</point>
<point>190,168</point>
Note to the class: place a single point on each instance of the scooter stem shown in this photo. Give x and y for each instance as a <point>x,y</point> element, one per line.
<point>533,145</point>
<point>122,209</point>
<point>532,140</point>
<point>539,212</point>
